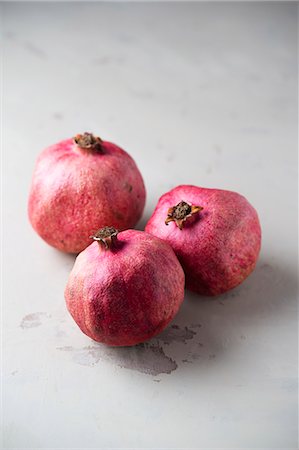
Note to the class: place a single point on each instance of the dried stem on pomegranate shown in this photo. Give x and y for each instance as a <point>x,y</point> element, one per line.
<point>89,142</point>
<point>181,212</point>
<point>106,237</point>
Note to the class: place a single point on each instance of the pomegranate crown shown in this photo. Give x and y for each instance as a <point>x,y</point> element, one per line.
<point>181,212</point>
<point>105,236</point>
<point>89,142</point>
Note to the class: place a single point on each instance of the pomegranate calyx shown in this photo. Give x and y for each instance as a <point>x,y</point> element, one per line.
<point>106,236</point>
<point>87,141</point>
<point>181,212</point>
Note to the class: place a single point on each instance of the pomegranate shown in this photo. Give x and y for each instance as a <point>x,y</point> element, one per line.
<point>80,185</point>
<point>215,234</point>
<point>125,287</point>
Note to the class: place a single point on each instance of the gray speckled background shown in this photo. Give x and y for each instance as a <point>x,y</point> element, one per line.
<point>198,93</point>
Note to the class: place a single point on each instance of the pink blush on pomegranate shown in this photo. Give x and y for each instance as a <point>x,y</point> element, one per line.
<point>82,184</point>
<point>215,234</point>
<point>125,287</point>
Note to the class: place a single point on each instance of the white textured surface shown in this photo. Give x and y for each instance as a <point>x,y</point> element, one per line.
<point>198,93</point>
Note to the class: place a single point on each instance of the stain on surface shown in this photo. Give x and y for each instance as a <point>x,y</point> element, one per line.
<point>145,358</point>
<point>59,332</point>
<point>217,149</point>
<point>9,35</point>
<point>176,334</point>
<point>38,52</point>
<point>195,325</point>
<point>33,320</point>
<point>57,116</point>
<point>195,356</point>
<point>266,266</point>
<point>149,358</point>
<point>170,158</point>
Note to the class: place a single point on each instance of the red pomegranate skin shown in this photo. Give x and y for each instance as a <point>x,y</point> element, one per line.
<point>217,247</point>
<point>126,294</point>
<point>74,192</point>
